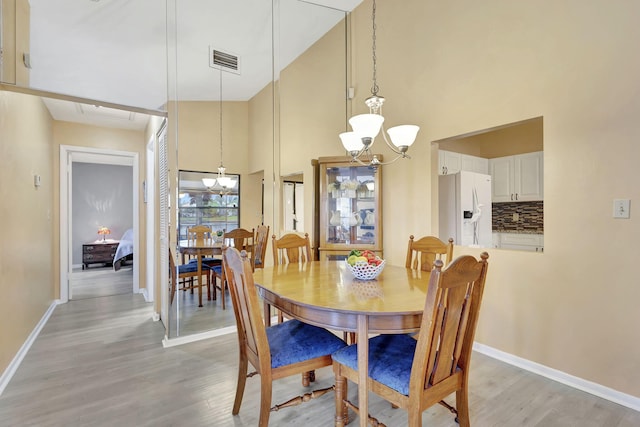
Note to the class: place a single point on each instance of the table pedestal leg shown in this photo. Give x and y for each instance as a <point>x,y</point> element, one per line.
<point>363,369</point>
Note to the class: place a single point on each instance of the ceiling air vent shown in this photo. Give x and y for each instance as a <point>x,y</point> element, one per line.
<point>225,61</point>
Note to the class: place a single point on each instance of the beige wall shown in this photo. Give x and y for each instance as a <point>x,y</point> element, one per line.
<point>460,67</point>
<point>74,134</point>
<point>262,151</point>
<point>26,219</point>
<point>313,111</point>
<point>199,147</point>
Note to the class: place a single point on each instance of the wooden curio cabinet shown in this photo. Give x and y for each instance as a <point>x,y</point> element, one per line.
<point>350,208</point>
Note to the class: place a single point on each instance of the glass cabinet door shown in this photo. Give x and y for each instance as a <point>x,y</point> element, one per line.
<point>349,207</point>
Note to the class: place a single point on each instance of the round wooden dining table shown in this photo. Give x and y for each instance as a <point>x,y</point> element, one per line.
<point>325,294</point>
<point>199,250</point>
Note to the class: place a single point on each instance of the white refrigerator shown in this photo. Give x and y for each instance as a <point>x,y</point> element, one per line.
<point>465,208</point>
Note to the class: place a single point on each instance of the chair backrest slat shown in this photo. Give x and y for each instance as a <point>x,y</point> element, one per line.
<point>262,238</point>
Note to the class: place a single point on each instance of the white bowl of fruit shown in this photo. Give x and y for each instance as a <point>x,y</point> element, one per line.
<point>364,265</point>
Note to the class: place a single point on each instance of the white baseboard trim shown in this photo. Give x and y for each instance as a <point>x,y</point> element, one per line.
<point>172,342</point>
<point>145,294</point>
<point>17,359</point>
<point>553,374</point>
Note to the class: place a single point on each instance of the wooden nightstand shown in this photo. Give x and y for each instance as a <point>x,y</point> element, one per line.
<point>94,253</point>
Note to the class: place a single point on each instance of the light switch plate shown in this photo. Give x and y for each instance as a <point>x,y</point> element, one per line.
<point>621,208</point>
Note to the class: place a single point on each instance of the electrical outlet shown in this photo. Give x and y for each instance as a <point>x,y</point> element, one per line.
<point>621,208</point>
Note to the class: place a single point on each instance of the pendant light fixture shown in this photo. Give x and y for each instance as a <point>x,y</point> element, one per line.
<point>366,127</point>
<point>222,180</point>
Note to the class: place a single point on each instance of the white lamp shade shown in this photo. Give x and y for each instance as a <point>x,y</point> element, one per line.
<point>226,181</point>
<point>208,182</point>
<point>351,141</point>
<point>404,135</point>
<point>366,125</point>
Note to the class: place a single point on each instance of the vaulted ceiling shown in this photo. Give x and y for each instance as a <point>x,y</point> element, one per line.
<point>116,50</point>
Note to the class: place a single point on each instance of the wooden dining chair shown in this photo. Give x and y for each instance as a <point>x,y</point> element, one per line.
<point>241,239</point>
<point>422,253</point>
<point>205,236</point>
<point>277,351</point>
<point>188,272</point>
<point>416,374</point>
<point>291,248</point>
<point>199,234</point>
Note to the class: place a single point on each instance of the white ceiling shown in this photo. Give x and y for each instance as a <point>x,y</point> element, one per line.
<point>116,50</point>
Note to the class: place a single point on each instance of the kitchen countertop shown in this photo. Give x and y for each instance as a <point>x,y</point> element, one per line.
<point>517,231</point>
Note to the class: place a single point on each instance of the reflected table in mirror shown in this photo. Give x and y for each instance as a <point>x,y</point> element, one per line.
<point>199,250</point>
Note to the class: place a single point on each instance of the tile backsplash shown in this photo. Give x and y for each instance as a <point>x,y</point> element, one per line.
<point>529,215</point>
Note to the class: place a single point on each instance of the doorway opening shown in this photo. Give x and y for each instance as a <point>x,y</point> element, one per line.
<point>70,156</point>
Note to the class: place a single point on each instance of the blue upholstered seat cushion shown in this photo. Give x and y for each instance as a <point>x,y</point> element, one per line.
<point>217,269</point>
<point>293,341</point>
<point>190,268</point>
<point>390,360</point>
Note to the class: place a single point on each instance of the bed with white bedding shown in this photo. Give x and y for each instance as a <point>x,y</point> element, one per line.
<point>124,251</point>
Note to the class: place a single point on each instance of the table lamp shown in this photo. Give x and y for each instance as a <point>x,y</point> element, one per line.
<point>104,231</point>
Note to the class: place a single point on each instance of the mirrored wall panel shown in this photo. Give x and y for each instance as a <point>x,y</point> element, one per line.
<point>229,64</point>
<point>207,207</point>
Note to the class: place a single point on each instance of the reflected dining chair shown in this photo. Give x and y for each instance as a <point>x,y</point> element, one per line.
<point>241,239</point>
<point>186,273</point>
<point>208,239</point>
<point>262,239</point>
<point>422,253</point>
<point>291,248</point>
<point>416,374</point>
<point>277,351</point>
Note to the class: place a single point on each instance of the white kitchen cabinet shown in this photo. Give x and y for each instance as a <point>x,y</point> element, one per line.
<point>522,242</point>
<point>517,178</point>
<point>474,164</point>
<point>450,163</point>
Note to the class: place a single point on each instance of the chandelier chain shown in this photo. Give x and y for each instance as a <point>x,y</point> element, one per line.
<point>220,111</point>
<point>374,88</point>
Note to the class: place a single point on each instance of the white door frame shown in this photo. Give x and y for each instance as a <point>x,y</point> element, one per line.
<point>69,154</point>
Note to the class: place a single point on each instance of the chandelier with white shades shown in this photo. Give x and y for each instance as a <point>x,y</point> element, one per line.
<point>226,183</point>
<point>366,127</point>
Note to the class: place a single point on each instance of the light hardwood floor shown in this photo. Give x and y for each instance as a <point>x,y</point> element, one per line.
<point>187,318</point>
<point>96,282</point>
<point>99,362</point>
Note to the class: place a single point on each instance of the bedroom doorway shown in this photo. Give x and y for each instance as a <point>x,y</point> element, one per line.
<point>77,278</point>
<point>101,230</point>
